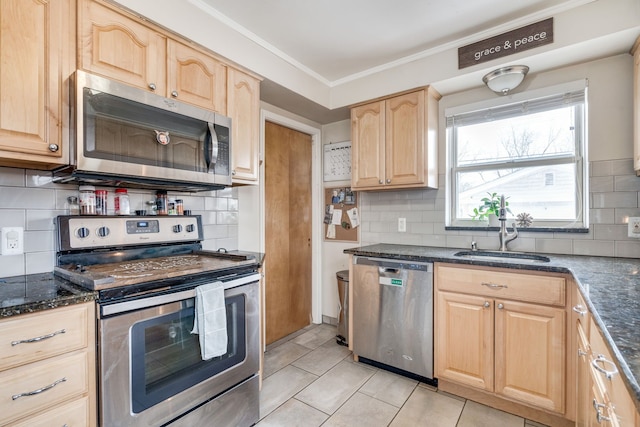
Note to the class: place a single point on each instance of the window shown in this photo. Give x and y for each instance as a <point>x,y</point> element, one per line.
<point>529,149</point>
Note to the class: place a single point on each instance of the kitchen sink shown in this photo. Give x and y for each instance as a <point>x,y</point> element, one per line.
<point>517,257</point>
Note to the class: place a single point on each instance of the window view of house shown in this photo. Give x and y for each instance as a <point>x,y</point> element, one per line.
<point>531,151</point>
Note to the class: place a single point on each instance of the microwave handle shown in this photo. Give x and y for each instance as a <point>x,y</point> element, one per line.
<point>212,149</point>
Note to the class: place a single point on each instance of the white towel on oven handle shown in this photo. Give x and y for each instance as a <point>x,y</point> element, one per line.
<point>210,320</point>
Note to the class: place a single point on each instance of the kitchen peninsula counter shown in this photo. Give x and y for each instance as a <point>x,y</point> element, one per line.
<point>610,287</point>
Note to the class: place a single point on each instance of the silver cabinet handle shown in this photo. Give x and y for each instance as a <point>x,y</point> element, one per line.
<point>580,310</point>
<point>53,147</point>
<point>380,182</point>
<point>604,361</point>
<point>500,306</point>
<point>388,181</point>
<point>599,415</point>
<point>152,86</point>
<point>581,352</point>
<point>40,390</point>
<point>493,285</point>
<point>487,304</point>
<point>37,339</point>
<point>174,93</point>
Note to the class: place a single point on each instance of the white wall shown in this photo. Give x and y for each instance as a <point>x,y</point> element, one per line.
<point>333,258</point>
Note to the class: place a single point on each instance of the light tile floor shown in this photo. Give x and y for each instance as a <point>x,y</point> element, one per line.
<point>310,381</point>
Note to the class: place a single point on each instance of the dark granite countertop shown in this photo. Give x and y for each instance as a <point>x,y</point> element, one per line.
<point>610,287</point>
<point>37,292</point>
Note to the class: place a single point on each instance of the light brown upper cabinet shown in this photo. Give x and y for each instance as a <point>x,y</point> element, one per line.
<point>243,106</point>
<point>394,142</point>
<point>119,47</point>
<point>36,53</point>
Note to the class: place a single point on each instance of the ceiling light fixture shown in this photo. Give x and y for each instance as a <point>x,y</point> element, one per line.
<point>505,79</point>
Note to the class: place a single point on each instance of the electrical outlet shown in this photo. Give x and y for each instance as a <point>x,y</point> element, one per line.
<point>402,225</point>
<point>11,240</point>
<point>634,227</point>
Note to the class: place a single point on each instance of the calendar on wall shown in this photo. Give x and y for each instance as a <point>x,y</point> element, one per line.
<point>337,161</point>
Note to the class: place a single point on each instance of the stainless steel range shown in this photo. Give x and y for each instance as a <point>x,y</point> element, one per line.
<point>146,270</point>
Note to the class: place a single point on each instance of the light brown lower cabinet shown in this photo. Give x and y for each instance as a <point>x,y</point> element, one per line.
<point>497,333</point>
<point>48,368</point>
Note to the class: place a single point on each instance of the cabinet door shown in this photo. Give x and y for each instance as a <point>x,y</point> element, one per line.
<point>404,139</point>
<point>120,48</point>
<point>636,106</point>
<point>196,78</point>
<point>464,339</point>
<point>530,354</point>
<point>584,406</point>
<point>243,106</point>
<point>36,39</point>
<point>367,146</point>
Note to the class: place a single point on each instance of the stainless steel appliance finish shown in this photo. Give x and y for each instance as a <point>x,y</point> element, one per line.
<point>393,314</point>
<point>122,135</point>
<point>145,270</point>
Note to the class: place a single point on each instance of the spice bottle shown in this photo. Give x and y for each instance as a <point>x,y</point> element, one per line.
<point>121,202</point>
<point>179,207</point>
<point>87,200</point>
<point>162,202</point>
<point>101,202</point>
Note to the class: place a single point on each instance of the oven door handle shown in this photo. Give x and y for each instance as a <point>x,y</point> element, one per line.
<point>151,301</point>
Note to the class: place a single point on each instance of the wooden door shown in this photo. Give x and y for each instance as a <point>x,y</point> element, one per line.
<point>243,106</point>
<point>530,354</point>
<point>120,48</point>
<point>404,135</point>
<point>36,40</point>
<point>196,78</point>
<point>288,231</point>
<point>464,339</point>
<point>367,145</point>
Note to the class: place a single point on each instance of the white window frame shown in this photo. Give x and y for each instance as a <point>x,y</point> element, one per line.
<point>581,221</point>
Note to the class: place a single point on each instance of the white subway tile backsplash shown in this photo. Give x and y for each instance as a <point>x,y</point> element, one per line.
<point>610,232</point>
<point>624,199</point>
<point>602,216</point>
<point>31,200</point>
<point>12,265</point>
<point>627,183</point>
<point>12,177</point>
<point>628,249</point>
<point>39,262</point>
<point>554,246</point>
<point>601,184</point>
<point>594,248</point>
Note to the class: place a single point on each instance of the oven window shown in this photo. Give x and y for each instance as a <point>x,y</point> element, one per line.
<point>166,356</point>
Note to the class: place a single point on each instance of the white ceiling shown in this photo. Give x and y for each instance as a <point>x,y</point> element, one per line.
<point>340,39</point>
<point>342,44</point>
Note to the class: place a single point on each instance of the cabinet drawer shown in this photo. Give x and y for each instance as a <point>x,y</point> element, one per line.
<point>75,413</point>
<point>68,373</point>
<point>613,387</point>
<point>531,287</point>
<point>32,337</point>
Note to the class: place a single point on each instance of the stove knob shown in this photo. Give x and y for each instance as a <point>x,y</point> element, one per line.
<point>103,231</point>
<point>83,232</point>
<point>191,228</point>
<point>177,228</point>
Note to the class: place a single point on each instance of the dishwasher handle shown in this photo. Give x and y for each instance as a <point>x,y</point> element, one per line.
<point>393,264</point>
<point>388,270</point>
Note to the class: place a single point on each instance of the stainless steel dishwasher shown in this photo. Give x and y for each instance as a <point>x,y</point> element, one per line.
<point>393,315</point>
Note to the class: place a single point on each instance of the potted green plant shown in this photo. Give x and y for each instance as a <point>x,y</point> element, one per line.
<point>489,209</point>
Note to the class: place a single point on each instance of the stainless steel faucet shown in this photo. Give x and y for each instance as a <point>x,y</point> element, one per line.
<point>505,237</point>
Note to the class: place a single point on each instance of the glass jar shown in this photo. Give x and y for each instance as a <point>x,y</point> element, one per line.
<point>121,202</point>
<point>101,202</point>
<point>162,204</point>
<point>74,206</point>
<point>179,207</point>
<point>87,199</point>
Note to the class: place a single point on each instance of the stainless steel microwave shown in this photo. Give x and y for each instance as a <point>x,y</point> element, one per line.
<point>122,135</point>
